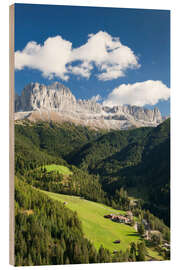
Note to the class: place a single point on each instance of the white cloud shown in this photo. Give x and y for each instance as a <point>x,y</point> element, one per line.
<point>110,72</point>
<point>96,98</point>
<point>83,69</point>
<point>56,57</point>
<point>50,58</point>
<point>139,94</point>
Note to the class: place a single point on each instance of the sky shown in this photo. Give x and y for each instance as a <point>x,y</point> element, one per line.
<point>113,55</point>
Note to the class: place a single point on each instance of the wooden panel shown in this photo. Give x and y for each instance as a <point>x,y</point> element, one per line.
<point>11,128</point>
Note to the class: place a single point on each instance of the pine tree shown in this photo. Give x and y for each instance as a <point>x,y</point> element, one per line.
<point>141,250</point>
<point>133,252</point>
<point>141,229</point>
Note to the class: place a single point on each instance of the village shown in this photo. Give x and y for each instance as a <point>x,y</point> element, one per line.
<point>126,219</point>
<point>152,237</point>
<point>148,235</point>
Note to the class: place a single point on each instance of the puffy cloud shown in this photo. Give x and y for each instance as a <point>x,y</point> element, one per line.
<point>56,57</point>
<point>110,72</point>
<point>139,94</point>
<point>96,98</point>
<point>51,58</point>
<point>83,69</point>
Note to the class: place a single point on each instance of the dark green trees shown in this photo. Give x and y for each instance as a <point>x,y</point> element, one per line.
<point>46,232</point>
<point>141,251</point>
<point>141,229</point>
<point>105,166</point>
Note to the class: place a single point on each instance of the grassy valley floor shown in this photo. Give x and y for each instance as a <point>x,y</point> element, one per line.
<point>97,228</point>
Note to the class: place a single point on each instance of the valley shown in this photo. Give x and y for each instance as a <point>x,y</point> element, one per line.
<point>92,173</point>
<point>99,230</point>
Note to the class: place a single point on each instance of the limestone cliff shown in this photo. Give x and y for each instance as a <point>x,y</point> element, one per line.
<point>56,103</point>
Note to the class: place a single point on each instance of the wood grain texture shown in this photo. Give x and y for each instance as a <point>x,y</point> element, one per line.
<point>11,128</point>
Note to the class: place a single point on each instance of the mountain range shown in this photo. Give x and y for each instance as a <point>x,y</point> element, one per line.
<point>56,103</point>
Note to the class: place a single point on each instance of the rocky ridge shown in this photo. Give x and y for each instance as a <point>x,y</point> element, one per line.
<point>56,103</point>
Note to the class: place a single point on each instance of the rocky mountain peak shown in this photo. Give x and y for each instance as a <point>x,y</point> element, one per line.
<point>56,101</point>
<point>57,86</point>
<point>37,96</point>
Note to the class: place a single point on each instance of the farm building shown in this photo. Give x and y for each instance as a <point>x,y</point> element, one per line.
<point>118,218</point>
<point>121,219</point>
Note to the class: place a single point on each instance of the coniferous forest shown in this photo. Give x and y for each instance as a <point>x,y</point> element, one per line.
<point>108,167</point>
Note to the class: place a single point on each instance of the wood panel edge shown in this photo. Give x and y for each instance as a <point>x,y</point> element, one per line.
<point>11,135</point>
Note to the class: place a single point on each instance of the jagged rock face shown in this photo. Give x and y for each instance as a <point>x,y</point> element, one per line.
<point>56,102</point>
<point>138,113</point>
<point>38,96</point>
<point>88,106</point>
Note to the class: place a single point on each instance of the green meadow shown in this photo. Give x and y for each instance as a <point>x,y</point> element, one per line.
<point>97,228</point>
<point>58,168</point>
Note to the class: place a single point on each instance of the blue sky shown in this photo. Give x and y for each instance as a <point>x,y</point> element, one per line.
<point>143,36</point>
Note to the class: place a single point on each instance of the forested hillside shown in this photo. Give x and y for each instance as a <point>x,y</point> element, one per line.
<point>138,160</point>
<point>48,233</point>
<point>56,139</point>
<point>105,167</point>
<point>31,155</point>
